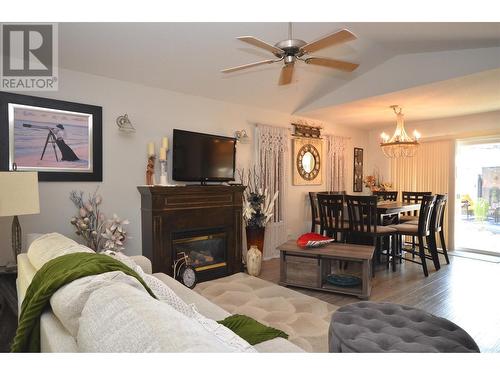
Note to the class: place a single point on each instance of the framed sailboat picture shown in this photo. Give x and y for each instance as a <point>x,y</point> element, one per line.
<point>60,140</point>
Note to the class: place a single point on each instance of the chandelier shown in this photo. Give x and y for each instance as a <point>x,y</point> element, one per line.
<point>401,145</point>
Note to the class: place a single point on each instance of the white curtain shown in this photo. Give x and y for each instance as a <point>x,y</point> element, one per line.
<point>335,162</point>
<point>272,163</point>
<point>429,170</point>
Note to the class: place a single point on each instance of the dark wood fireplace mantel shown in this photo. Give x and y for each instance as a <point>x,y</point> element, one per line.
<point>170,212</point>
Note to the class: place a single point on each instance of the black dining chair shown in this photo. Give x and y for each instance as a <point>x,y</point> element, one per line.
<point>313,199</point>
<point>331,214</point>
<point>437,227</point>
<point>391,196</point>
<point>412,197</point>
<point>364,223</point>
<point>386,195</point>
<point>421,231</point>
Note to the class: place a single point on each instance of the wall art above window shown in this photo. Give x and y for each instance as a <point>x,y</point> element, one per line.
<point>305,130</point>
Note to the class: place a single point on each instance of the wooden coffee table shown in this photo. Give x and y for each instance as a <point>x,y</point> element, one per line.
<point>308,268</point>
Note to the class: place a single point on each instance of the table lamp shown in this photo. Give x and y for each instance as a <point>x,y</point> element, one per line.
<point>18,196</point>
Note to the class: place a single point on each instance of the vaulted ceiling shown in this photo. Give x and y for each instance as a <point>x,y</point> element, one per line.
<point>188,57</point>
<point>464,95</point>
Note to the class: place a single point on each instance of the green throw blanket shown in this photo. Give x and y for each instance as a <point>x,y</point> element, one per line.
<point>251,330</point>
<point>52,276</point>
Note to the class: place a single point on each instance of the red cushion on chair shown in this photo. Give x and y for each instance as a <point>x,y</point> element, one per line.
<point>310,240</point>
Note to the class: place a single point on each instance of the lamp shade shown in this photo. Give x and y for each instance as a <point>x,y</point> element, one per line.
<point>19,193</point>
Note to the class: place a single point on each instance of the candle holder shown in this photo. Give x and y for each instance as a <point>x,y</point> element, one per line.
<point>150,170</point>
<point>163,173</point>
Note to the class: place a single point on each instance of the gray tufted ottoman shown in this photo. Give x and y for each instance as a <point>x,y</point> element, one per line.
<point>368,327</point>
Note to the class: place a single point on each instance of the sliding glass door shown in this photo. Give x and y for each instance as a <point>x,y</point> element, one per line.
<point>477,187</point>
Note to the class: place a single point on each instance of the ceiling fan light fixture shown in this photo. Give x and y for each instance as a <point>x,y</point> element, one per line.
<point>289,60</point>
<point>291,50</point>
<point>400,145</point>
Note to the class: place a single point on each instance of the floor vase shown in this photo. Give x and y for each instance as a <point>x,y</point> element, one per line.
<point>255,237</point>
<point>254,261</point>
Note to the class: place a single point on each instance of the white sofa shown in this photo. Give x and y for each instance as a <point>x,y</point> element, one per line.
<point>55,337</point>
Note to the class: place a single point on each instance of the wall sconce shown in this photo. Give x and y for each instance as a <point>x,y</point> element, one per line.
<point>124,124</point>
<point>242,136</point>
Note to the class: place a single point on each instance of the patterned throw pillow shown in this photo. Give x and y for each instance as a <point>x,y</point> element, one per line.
<point>312,240</point>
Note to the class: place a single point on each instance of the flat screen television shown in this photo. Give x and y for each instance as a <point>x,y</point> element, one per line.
<point>203,157</point>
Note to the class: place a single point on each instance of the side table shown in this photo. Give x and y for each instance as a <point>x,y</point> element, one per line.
<point>10,270</point>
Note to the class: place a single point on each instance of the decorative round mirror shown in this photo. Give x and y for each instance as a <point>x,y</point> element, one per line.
<point>308,162</point>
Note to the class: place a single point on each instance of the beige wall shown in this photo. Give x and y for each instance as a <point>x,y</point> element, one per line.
<point>154,113</point>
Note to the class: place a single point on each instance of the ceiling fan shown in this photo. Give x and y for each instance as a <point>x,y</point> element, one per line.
<point>291,50</point>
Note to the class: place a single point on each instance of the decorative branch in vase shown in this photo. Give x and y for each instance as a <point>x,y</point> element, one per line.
<point>258,207</point>
<point>98,233</point>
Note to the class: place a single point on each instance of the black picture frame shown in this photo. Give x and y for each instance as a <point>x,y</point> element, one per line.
<point>358,170</point>
<point>94,172</point>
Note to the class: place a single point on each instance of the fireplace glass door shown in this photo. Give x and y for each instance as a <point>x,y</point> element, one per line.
<point>204,252</point>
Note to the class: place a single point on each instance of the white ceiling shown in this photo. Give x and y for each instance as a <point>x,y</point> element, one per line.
<point>465,95</point>
<point>187,57</point>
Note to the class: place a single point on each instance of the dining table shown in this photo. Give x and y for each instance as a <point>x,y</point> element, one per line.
<point>394,207</point>
<point>390,211</point>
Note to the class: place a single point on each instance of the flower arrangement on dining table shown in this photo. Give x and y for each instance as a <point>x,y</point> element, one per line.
<point>258,204</point>
<point>98,232</point>
<point>374,183</point>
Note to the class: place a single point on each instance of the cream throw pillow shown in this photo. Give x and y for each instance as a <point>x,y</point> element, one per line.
<point>50,246</point>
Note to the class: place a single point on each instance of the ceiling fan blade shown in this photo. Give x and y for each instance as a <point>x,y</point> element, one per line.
<point>286,74</point>
<point>241,67</point>
<point>338,37</point>
<point>261,44</point>
<point>330,63</point>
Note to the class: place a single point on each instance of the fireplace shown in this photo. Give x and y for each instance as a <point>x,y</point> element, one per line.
<point>206,251</point>
<point>203,221</point>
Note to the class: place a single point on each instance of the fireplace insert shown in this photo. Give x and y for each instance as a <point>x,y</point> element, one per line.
<point>206,252</point>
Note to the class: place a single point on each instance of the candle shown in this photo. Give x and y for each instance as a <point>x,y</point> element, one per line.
<point>163,153</point>
<point>164,143</point>
<point>151,149</point>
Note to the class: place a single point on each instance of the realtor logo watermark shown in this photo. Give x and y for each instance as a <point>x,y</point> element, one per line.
<point>29,57</point>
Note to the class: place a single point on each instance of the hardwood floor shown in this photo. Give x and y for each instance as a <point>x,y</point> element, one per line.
<point>465,292</point>
<point>8,311</point>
